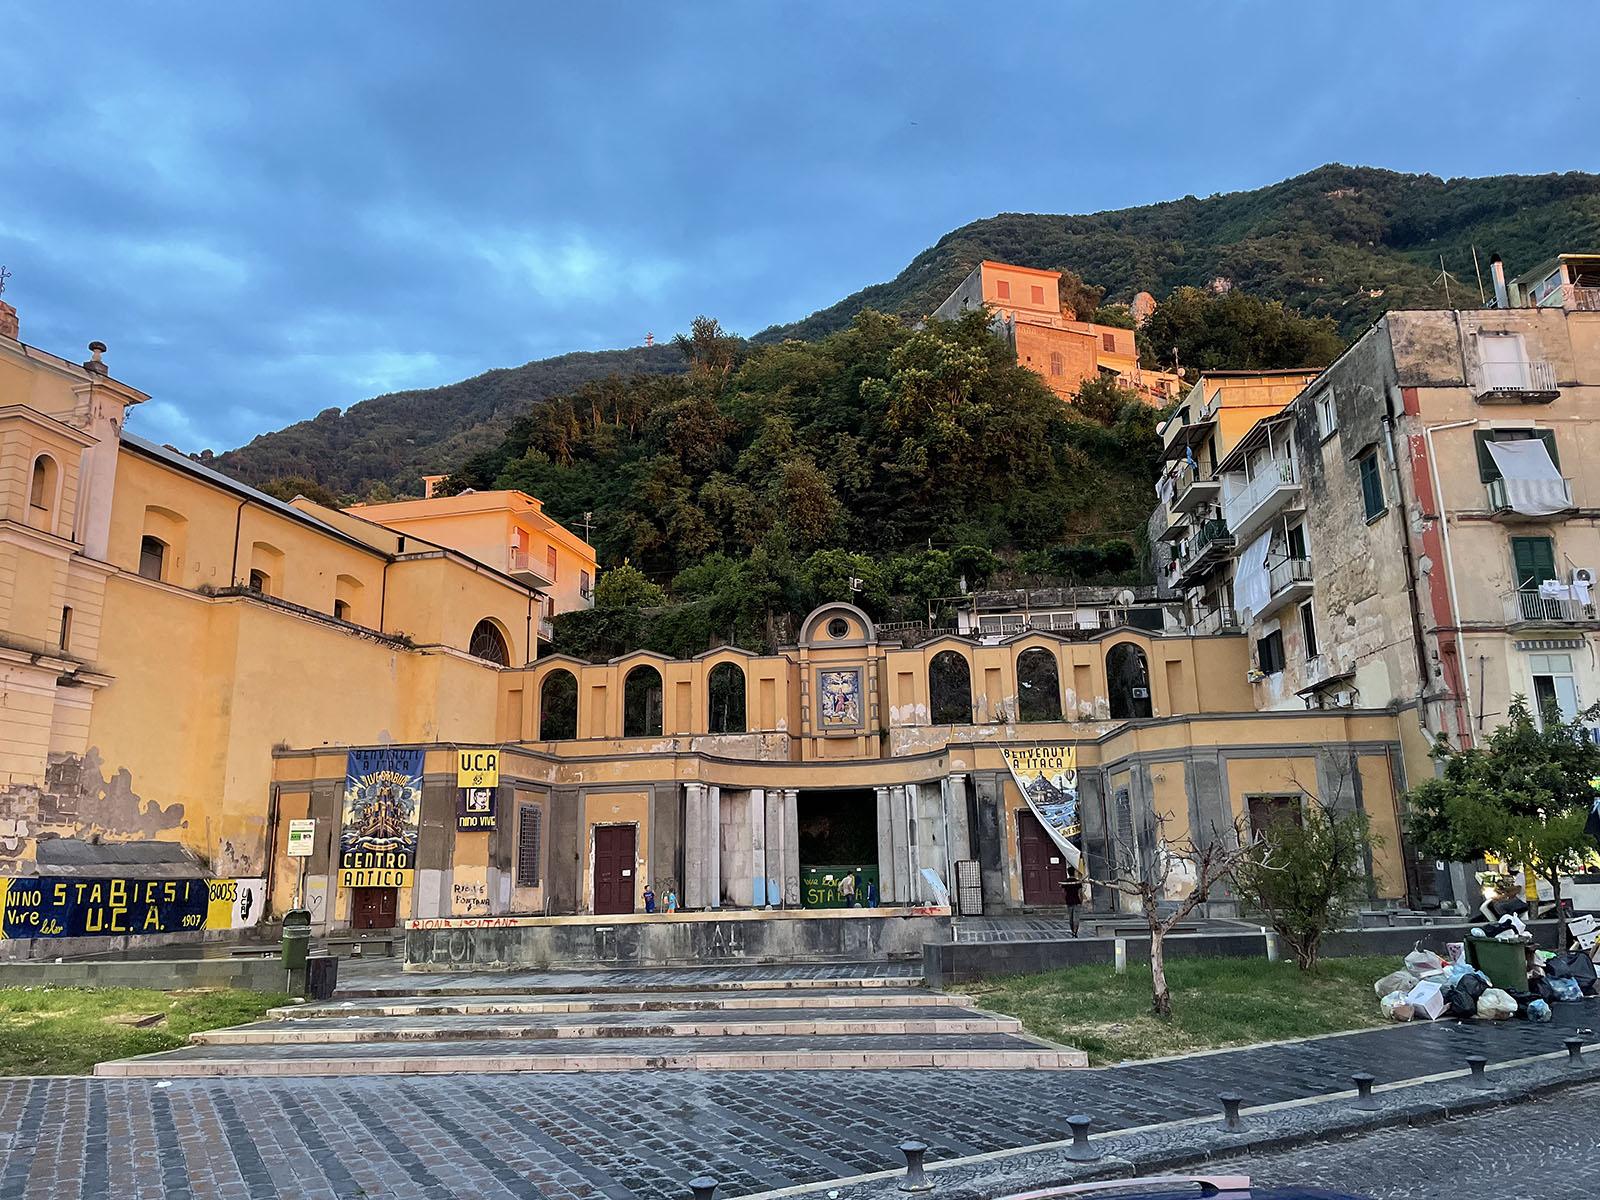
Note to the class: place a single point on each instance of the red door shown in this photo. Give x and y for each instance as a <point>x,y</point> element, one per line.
<point>1044,869</point>
<point>613,868</point>
<point>374,908</point>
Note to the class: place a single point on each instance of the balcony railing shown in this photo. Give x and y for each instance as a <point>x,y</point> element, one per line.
<point>520,562</point>
<point>1571,296</point>
<point>1527,379</point>
<point>1246,508</point>
<point>1216,620</point>
<point>1552,493</point>
<point>1526,605</point>
<point>1288,573</point>
<point>1190,486</point>
<point>1203,548</point>
<point>547,629</point>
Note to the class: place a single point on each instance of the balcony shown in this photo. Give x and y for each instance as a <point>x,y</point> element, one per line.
<point>1553,493</point>
<point>522,567</point>
<point>547,629</point>
<point>1573,298</point>
<point>1527,381</point>
<point>1215,620</point>
<point>1264,497</point>
<point>1527,607</point>
<point>1288,582</point>
<point>1192,488</point>
<point>1203,550</point>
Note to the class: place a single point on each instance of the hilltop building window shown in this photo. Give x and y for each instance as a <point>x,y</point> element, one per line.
<point>1002,289</point>
<point>1038,686</point>
<point>1038,294</point>
<point>949,689</point>
<point>489,644</point>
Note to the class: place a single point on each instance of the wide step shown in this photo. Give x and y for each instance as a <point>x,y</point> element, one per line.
<point>494,1004</point>
<point>998,1051</point>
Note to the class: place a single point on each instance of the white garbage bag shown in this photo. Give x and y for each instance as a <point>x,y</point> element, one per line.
<point>1396,1007</point>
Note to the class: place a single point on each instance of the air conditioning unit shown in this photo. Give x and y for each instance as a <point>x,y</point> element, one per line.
<point>1583,575</point>
<point>1344,698</point>
<point>1140,693</point>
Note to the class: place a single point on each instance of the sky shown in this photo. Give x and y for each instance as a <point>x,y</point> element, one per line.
<point>268,210</point>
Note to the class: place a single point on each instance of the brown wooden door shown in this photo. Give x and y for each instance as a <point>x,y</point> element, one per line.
<point>1044,869</point>
<point>613,868</point>
<point>374,908</point>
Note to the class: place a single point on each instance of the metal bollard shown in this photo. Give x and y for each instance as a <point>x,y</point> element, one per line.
<point>1574,1049</point>
<point>1082,1149</point>
<point>1119,955</point>
<point>1476,1063</point>
<point>1231,1120</point>
<point>1364,1097</point>
<point>916,1179</point>
<point>704,1187</point>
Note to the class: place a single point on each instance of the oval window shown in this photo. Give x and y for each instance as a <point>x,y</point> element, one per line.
<point>838,628</point>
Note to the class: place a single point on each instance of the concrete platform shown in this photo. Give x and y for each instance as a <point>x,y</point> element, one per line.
<point>731,1000</point>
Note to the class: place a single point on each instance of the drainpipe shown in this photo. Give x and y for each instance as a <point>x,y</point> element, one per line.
<point>238,523</point>
<point>1449,562</point>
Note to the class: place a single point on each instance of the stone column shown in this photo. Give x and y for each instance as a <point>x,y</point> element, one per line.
<point>776,838</point>
<point>758,847</point>
<point>713,834</point>
<point>791,848</point>
<point>695,846</point>
<point>886,860</point>
<point>899,815</point>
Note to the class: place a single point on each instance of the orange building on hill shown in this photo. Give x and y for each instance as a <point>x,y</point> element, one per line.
<point>1049,339</point>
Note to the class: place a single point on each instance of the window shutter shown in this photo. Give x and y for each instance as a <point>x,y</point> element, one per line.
<point>529,817</point>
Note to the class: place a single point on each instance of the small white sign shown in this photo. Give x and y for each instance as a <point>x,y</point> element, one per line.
<point>302,833</point>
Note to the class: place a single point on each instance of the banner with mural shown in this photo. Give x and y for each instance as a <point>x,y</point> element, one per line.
<point>382,806</point>
<point>52,906</point>
<point>1048,778</point>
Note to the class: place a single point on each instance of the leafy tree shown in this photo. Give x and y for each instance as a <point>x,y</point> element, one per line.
<point>827,575</point>
<point>1523,796</point>
<point>1234,331</point>
<point>1103,398</point>
<point>287,487</point>
<point>626,587</point>
<point>1080,299</point>
<point>1307,874</point>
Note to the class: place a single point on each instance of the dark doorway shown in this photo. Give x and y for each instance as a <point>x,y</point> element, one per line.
<point>838,836</point>
<point>1044,868</point>
<point>373,907</point>
<point>613,868</point>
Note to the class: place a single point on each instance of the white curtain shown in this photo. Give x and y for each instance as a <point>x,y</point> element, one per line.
<point>1533,485</point>
<point>1251,588</point>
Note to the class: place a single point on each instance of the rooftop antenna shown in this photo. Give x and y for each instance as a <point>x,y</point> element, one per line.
<point>1444,277</point>
<point>1482,299</point>
<point>588,519</point>
<point>4,275</point>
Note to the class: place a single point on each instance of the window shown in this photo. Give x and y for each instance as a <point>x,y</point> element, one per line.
<point>1327,415</point>
<point>838,628</point>
<point>530,819</point>
<point>1055,362</point>
<point>1268,811</point>
<point>1308,628</point>
<point>260,582</point>
<point>489,644</point>
<point>1533,560</point>
<point>726,687</point>
<point>585,585</point>
<point>341,610</point>
<point>558,707</point>
<point>1371,484</point>
<point>550,563</point>
<point>1002,289</point>
<point>1037,293</point>
<point>1128,682</point>
<point>950,689</point>
<point>1038,686</point>
<point>42,488</point>
<point>1109,341</point>
<point>1553,686</point>
<point>66,629</point>
<point>1269,652</point>
<point>152,557</point>
<point>641,703</point>
<point>1295,543</point>
<point>1488,469</point>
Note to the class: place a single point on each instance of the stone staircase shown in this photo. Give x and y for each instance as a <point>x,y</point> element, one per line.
<point>765,1025</point>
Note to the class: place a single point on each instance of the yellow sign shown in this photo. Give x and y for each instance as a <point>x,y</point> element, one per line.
<point>477,768</point>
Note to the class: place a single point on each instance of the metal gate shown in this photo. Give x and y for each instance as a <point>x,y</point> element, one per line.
<point>969,888</point>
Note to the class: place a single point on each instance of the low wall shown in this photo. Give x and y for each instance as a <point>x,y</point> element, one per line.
<point>948,963</point>
<point>700,938</point>
<point>166,975</point>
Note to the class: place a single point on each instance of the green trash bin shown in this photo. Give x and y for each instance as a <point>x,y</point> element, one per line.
<point>296,938</point>
<point>1505,963</point>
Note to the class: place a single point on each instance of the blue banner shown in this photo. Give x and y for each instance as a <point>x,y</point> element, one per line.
<point>382,808</point>
<point>49,906</point>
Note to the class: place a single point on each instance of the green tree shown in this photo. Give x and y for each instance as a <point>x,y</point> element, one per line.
<point>1103,398</point>
<point>1523,796</point>
<point>627,587</point>
<point>1234,331</point>
<point>827,575</point>
<point>287,487</point>
<point>1307,873</point>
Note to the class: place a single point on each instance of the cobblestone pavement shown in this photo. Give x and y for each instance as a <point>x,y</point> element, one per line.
<point>645,1134</point>
<point>1547,1149</point>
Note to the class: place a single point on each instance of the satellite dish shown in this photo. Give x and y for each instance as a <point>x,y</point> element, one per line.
<point>1125,596</point>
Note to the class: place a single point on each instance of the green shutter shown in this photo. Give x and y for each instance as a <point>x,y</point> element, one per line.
<point>1534,559</point>
<point>1487,471</point>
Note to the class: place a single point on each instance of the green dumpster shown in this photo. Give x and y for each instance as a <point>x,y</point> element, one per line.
<point>296,938</point>
<point>1505,963</point>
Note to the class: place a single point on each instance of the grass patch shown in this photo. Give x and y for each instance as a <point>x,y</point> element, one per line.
<point>65,1031</point>
<point>1215,1002</point>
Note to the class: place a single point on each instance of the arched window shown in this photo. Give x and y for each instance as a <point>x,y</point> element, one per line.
<point>42,487</point>
<point>641,703</point>
<point>558,706</point>
<point>1038,686</point>
<point>489,644</point>
<point>726,686</point>
<point>950,689</point>
<point>260,581</point>
<point>152,557</point>
<point>1128,682</point>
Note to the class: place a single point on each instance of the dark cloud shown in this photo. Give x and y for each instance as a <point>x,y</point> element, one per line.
<point>269,210</point>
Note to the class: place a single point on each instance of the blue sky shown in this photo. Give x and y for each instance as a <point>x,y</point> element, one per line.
<point>268,210</point>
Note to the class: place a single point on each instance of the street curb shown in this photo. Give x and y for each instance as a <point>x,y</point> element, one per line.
<point>1158,1149</point>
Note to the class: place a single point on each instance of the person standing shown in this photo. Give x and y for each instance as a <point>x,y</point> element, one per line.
<point>1072,888</point>
<point>847,889</point>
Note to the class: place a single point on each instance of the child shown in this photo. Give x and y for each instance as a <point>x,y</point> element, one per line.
<point>672,901</point>
<point>649,899</point>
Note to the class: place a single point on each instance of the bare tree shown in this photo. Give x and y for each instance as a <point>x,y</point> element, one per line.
<point>1181,866</point>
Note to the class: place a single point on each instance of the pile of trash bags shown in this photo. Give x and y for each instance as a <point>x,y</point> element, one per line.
<point>1432,987</point>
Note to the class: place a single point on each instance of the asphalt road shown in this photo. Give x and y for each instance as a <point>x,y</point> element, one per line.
<point>1547,1149</point>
